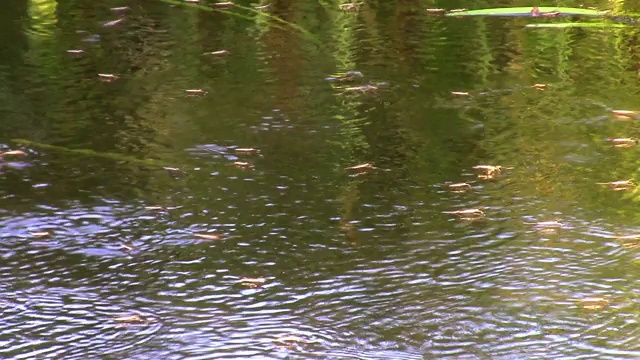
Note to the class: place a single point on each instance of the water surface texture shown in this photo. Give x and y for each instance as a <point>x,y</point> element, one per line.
<point>145,221</point>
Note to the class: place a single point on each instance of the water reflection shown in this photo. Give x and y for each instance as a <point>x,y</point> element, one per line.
<point>300,205</point>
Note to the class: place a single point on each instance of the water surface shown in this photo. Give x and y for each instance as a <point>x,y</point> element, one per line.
<point>348,265</point>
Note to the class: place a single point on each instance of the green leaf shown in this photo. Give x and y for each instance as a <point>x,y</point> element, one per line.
<point>574,24</point>
<point>526,11</point>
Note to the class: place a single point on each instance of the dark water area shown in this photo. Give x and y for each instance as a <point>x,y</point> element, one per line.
<point>137,225</point>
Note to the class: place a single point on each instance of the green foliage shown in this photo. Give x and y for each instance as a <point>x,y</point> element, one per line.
<point>575,25</point>
<point>250,9</point>
<point>89,153</point>
<point>526,11</point>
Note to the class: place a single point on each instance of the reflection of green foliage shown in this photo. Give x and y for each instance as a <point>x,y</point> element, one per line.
<point>90,153</point>
<point>388,42</point>
<point>43,16</point>
<point>576,24</point>
<point>525,11</point>
<point>250,9</point>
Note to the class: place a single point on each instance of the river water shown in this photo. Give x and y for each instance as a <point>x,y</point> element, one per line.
<point>132,227</point>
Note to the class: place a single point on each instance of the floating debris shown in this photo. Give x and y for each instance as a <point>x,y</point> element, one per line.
<point>120,9</point>
<point>620,185</point>
<point>623,142</point>
<point>154,208</point>
<point>436,11</point>
<point>459,187</point>
<point>361,167</point>
<point>593,302</point>
<point>130,319</point>
<point>173,171</point>
<point>490,171</point>
<point>92,38</point>
<point>491,168</point>
<point>630,241</point>
<point>218,53</point>
<point>41,234</point>
<point>243,165</point>
<point>13,153</point>
<point>548,224</point>
<point>526,11</point>
<point>246,151</point>
<point>566,25</point>
<point>467,214</point>
<point>75,51</point>
<point>348,76</point>
<point>113,23</point>
<point>290,341</point>
<point>460,93</point>
<point>539,87</point>
<point>127,247</point>
<point>223,5</point>
<point>362,88</point>
<point>625,114</point>
<point>348,7</point>
<point>629,237</point>
<point>262,7</point>
<point>536,12</point>
<point>252,282</point>
<point>209,236</point>
<point>547,227</point>
<point>108,77</point>
<point>195,92</point>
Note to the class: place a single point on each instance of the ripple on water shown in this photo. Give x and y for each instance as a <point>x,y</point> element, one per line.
<point>490,288</point>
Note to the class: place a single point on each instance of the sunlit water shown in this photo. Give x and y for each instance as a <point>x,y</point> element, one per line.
<point>104,244</point>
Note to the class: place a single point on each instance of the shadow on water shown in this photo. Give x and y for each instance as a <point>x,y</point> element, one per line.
<point>231,188</point>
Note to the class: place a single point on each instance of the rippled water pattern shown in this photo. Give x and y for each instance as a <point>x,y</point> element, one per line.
<point>104,249</point>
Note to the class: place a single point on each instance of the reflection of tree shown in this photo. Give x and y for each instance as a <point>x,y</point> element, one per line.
<point>15,111</point>
<point>422,57</point>
<point>284,56</point>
